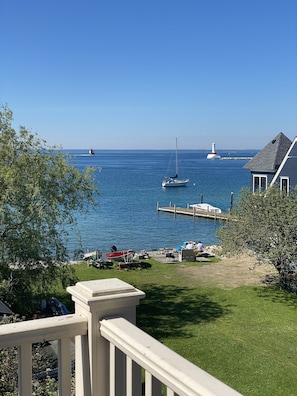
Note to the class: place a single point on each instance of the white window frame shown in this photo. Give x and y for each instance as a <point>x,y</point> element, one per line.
<point>260,177</point>
<point>287,179</point>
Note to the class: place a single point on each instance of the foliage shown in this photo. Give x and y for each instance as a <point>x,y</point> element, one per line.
<point>266,223</point>
<point>40,193</point>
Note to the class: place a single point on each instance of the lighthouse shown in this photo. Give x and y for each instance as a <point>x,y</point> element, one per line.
<point>213,154</point>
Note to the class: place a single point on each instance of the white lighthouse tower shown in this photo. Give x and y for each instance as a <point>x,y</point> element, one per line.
<point>213,154</point>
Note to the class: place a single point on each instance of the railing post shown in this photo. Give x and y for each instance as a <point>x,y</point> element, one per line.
<point>98,299</point>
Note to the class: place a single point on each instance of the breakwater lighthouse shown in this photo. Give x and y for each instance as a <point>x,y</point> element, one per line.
<point>213,154</point>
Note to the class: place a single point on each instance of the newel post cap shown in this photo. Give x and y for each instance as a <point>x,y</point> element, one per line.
<point>105,291</point>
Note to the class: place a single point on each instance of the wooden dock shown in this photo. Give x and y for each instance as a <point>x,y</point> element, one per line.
<point>195,213</point>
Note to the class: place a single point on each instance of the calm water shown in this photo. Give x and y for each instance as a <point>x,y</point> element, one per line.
<point>130,186</point>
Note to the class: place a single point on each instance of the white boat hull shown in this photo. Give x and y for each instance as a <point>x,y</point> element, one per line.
<point>121,255</point>
<point>204,207</point>
<point>175,183</point>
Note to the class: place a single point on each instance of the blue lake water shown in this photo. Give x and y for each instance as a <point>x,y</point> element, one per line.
<point>130,189</point>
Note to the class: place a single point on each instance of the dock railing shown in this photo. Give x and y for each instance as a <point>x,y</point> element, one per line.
<point>113,357</point>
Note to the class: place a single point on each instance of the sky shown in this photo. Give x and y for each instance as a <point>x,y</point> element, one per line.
<point>136,74</point>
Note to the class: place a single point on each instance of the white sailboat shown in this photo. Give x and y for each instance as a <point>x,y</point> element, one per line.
<point>173,181</point>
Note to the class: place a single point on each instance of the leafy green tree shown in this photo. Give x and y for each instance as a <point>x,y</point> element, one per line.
<point>41,192</point>
<point>266,224</point>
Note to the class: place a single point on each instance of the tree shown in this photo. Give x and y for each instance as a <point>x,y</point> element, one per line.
<point>266,224</point>
<point>40,193</point>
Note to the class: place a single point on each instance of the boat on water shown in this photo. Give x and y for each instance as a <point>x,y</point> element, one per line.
<point>120,255</point>
<point>205,207</point>
<point>213,154</point>
<point>174,181</point>
<point>90,153</point>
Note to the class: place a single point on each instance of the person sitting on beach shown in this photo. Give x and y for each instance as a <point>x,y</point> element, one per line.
<point>189,245</point>
<point>200,247</point>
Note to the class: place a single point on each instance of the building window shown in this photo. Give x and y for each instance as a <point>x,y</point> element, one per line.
<point>259,183</point>
<point>284,184</point>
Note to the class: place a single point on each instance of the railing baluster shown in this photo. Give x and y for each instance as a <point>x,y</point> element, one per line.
<point>64,368</point>
<point>25,369</point>
<point>133,377</point>
<point>153,387</point>
<point>129,376</point>
<point>112,370</point>
<point>148,384</point>
<point>82,367</point>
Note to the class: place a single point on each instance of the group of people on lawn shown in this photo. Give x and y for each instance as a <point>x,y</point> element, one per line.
<point>197,247</point>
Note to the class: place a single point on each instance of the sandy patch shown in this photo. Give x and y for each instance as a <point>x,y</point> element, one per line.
<point>230,272</point>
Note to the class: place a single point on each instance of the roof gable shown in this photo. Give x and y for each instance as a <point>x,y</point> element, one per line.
<point>289,162</point>
<point>270,158</point>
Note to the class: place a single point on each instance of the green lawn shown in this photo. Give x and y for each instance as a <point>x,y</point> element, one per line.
<point>245,336</point>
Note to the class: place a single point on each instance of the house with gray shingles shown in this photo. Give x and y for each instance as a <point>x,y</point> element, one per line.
<point>275,164</point>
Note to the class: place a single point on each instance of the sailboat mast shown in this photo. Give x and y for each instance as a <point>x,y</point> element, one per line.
<point>176,160</point>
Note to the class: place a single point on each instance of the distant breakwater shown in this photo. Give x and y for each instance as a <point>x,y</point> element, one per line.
<point>236,158</point>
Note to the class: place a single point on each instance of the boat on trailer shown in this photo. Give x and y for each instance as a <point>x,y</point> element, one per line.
<point>121,255</point>
<point>94,255</point>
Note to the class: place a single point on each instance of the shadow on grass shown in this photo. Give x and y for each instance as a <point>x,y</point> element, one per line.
<point>276,295</point>
<point>167,310</point>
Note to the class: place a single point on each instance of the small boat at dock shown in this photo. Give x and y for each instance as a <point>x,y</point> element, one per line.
<point>205,207</point>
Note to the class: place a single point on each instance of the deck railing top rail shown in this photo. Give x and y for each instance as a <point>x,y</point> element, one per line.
<point>39,330</point>
<point>171,369</point>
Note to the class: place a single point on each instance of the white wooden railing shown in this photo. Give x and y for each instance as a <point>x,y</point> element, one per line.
<point>112,356</point>
<point>24,334</point>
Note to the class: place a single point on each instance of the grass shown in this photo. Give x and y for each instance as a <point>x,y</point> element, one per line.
<point>246,336</point>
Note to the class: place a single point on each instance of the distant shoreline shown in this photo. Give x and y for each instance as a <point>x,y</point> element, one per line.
<point>201,151</point>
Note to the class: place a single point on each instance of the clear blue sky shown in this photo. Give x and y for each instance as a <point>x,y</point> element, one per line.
<point>135,74</point>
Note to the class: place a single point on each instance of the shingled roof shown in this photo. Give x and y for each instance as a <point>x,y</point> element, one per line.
<point>270,158</point>
<point>4,309</point>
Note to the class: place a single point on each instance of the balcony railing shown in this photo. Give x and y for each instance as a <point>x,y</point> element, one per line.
<point>112,356</point>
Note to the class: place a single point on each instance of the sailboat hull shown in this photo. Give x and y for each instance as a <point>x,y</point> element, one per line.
<point>175,183</point>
